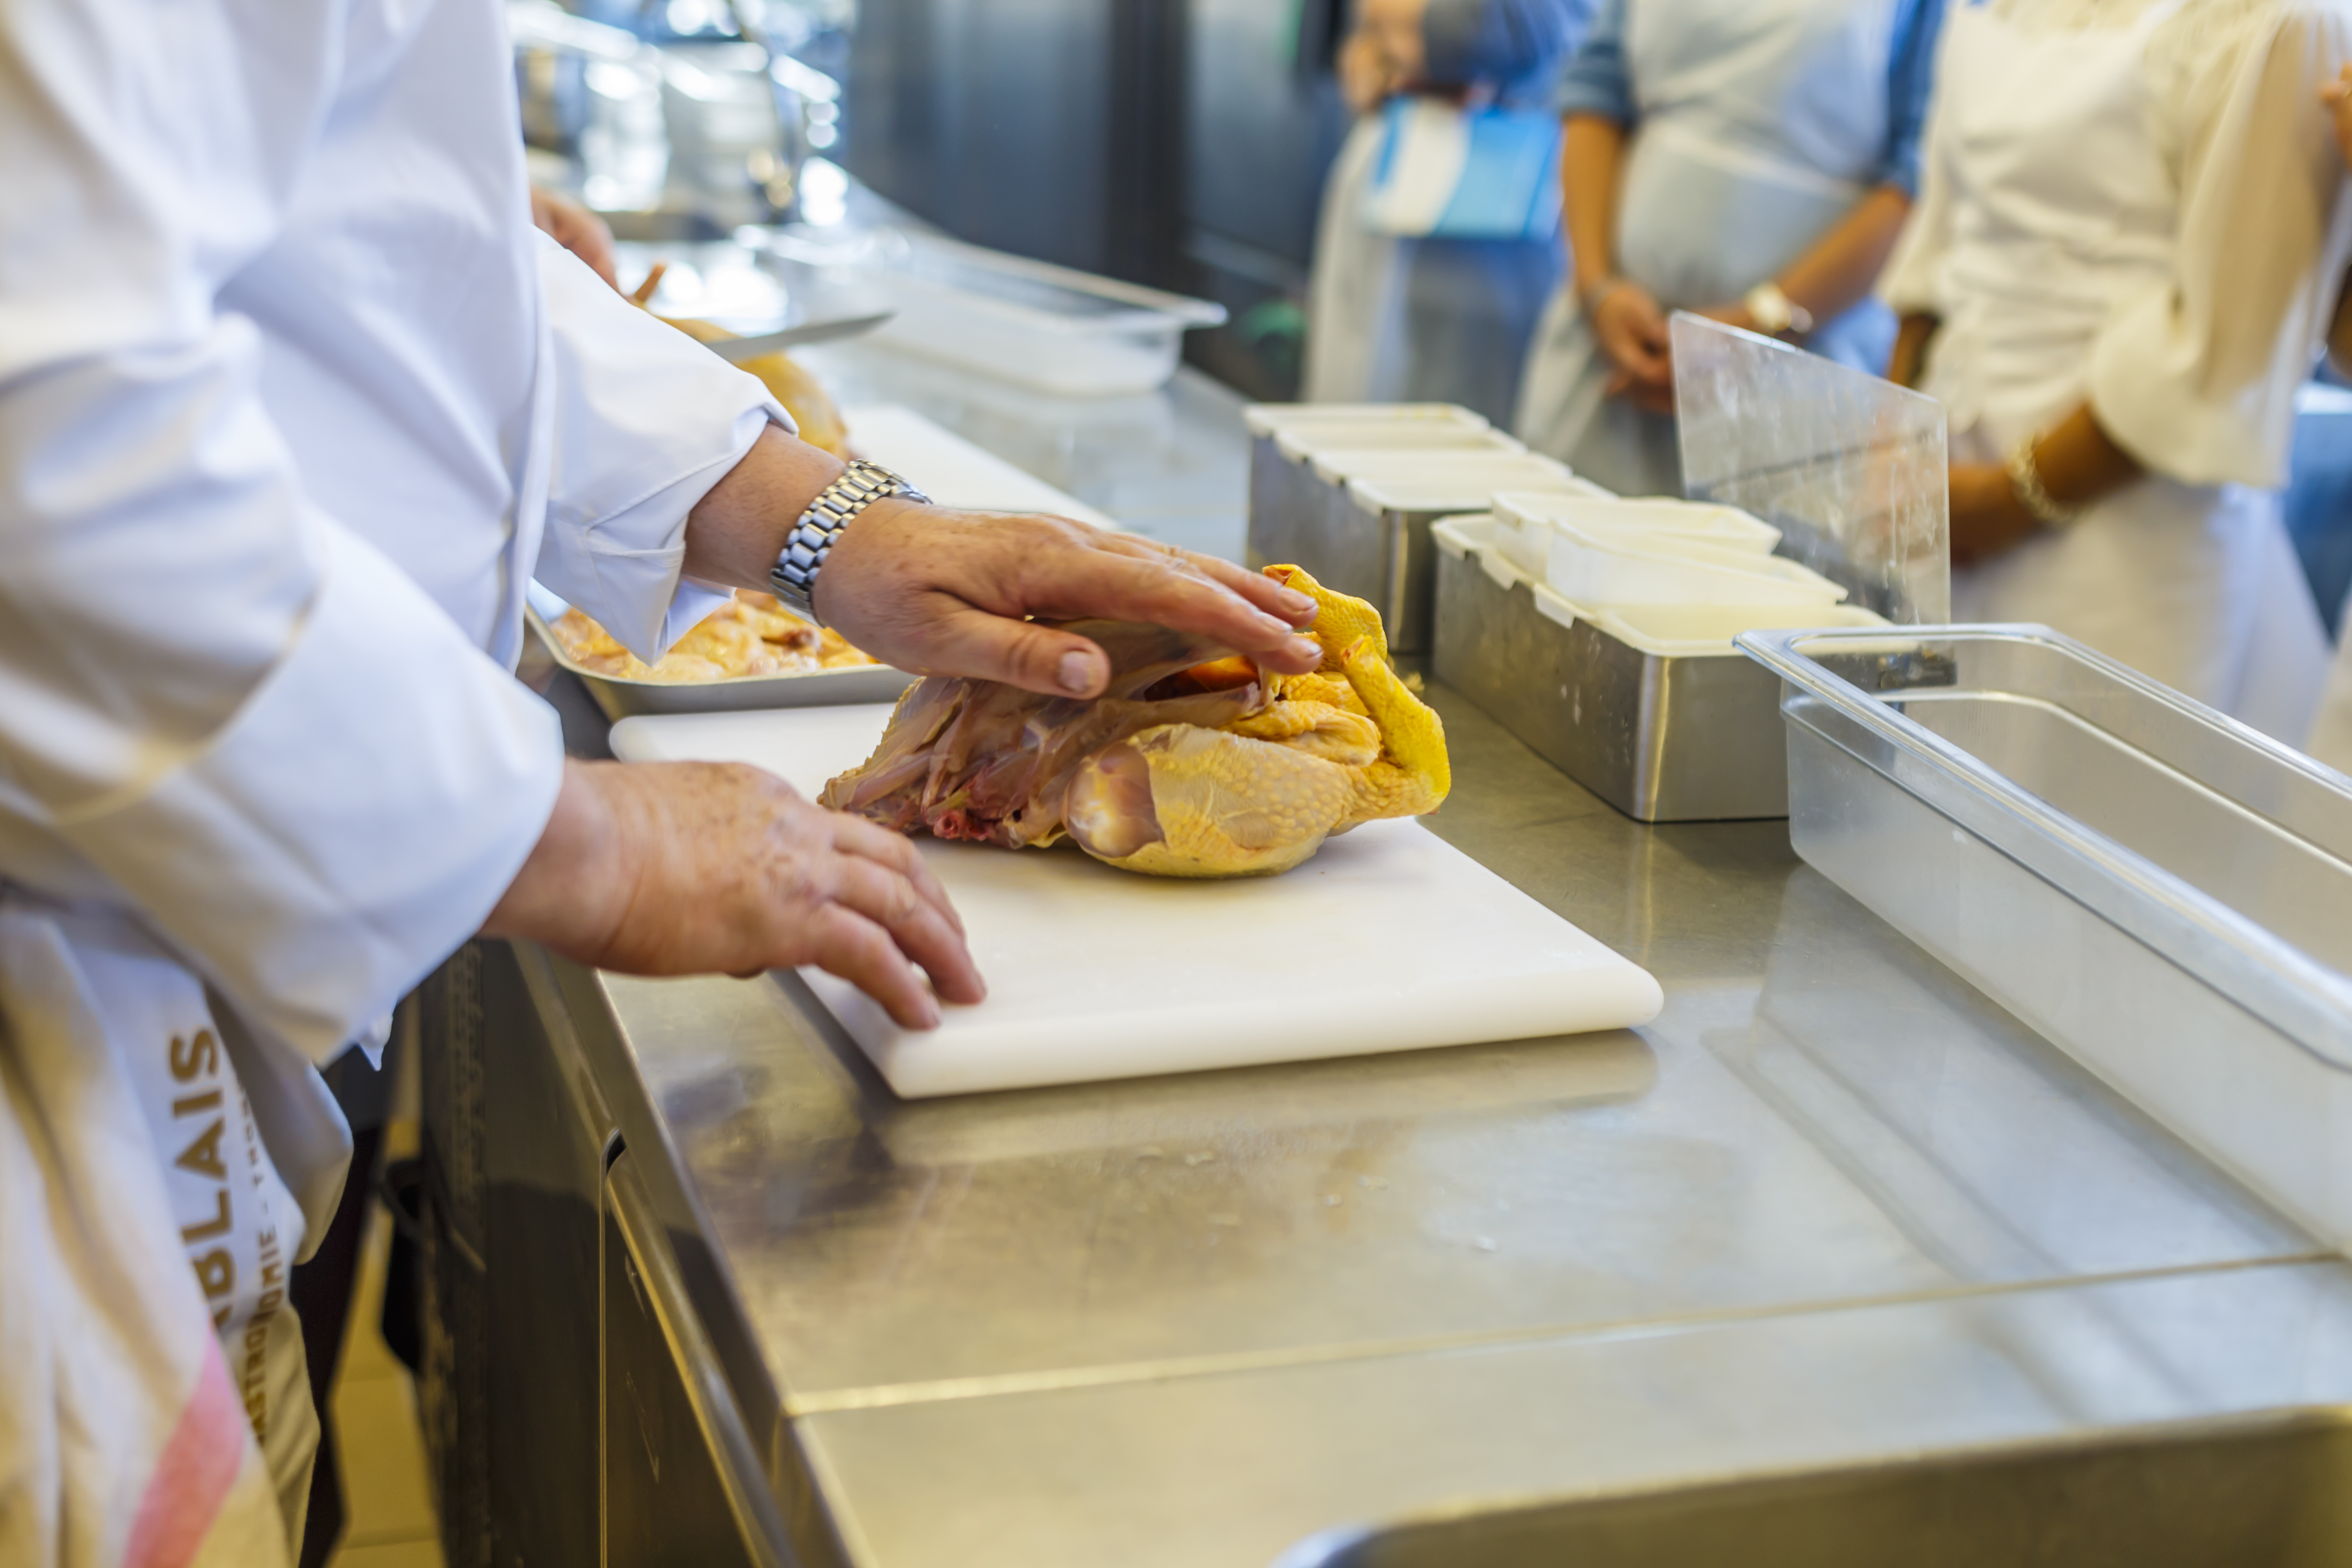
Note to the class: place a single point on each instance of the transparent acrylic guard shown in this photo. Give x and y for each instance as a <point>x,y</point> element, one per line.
<point>1850,467</point>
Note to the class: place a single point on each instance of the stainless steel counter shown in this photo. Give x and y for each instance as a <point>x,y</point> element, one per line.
<point>1832,1205</point>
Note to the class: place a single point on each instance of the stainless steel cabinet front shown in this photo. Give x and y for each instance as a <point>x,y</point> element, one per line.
<point>681,1484</point>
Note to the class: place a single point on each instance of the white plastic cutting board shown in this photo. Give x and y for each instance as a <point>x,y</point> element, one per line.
<point>1389,940</point>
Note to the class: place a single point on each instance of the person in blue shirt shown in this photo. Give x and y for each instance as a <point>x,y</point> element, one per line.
<point>1432,318</point>
<point>1753,160</point>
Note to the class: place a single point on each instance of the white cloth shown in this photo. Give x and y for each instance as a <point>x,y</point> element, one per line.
<point>156,1409</point>
<point>1760,123</point>
<point>1416,320</point>
<point>293,403</point>
<point>1355,349</point>
<point>2139,204</point>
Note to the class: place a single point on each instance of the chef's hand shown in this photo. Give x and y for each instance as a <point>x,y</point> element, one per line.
<point>716,869</point>
<point>1986,517</point>
<point>2338,96</point>
<point>940,592</point>
<point>577,229</point>
<point>1632,331</point>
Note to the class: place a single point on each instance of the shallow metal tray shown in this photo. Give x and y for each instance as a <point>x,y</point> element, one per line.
<point>1662,739</point>
<point>2163,892</point>
<point>822,689</point>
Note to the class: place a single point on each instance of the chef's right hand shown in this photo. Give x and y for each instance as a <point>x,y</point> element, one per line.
<point>1631,329</point>
<point>714,869</point>
<point>941,591</point>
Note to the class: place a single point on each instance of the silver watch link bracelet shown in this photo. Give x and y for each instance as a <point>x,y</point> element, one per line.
<point>793,576</point>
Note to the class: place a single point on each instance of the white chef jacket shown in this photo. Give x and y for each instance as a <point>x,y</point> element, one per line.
<point>293,402</point>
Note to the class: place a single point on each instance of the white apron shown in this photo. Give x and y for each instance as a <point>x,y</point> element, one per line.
<point>1417,320</point>
<point>156,1397</point>
<point>2195,586</point>
<point>1762,124</point>
<point>1355,350</point>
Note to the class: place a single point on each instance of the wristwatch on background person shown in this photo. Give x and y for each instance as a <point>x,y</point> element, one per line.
<point>1774,313</point>
<point>793,576</point>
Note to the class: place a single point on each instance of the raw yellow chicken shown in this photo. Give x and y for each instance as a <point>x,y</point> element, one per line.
<point>1189,765</point>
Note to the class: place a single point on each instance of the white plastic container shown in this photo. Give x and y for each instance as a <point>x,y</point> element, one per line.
<point>1277,418</point>
<point>1051,328</point>
<point>2150,885</point>
<point>1525,524</point>
<point>1312,445</point>
<point>1686,631</point>
<point>1615,568</point>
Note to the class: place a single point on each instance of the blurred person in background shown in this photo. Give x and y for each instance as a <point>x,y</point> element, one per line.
<point>1750,160</point>
<point>1437,311</point>
<point>2331,735</point>
<point>2130,235</point>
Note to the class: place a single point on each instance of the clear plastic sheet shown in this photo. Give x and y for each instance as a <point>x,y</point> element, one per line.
<point>1850,467</point>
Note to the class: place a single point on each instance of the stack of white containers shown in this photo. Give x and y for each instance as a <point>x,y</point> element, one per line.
<point>1678,578</point>
<point>1350,492</point>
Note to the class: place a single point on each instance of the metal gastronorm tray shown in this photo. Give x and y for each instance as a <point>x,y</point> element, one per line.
<point>820,689</point>
<point>2162,892</point>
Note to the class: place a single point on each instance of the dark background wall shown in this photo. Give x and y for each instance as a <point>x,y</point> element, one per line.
<point>1180,144</point>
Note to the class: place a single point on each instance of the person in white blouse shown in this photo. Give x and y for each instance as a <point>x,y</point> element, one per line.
<point>2130,231</point>
<point>293,405</point>
<point>2331,732</point>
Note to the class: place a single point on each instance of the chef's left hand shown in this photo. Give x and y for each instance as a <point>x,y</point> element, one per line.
<point>577,229</point>
<point>1986,517</point>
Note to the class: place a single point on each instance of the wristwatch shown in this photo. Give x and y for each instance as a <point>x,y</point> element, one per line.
<point>793,576</point>
<point>1774,313</point>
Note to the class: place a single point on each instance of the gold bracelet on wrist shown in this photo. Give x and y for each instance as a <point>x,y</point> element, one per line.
<point>2025,482</point>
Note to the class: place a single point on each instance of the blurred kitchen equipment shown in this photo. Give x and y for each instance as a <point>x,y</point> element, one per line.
<point>720,129</point>
<point>1651,708</point>
<point>1049,327</point>
<point>594,93</point>
<point>2155,888</point>
<point>1851,469</point>
<point>735,351</point>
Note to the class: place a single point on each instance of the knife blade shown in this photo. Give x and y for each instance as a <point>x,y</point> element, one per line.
<point>735,351</point>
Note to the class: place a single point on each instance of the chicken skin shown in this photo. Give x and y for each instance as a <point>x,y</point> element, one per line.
<point>1192,764</point>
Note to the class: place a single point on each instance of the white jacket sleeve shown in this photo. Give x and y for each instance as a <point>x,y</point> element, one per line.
<point>647,421</point>
<point>2197,376</point>
<point>255,727</point>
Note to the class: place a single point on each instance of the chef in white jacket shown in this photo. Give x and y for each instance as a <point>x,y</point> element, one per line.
<point>2129,237</point>
<point>293,403</point>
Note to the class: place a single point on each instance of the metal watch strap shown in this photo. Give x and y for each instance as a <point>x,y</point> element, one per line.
<point>793,576</point>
